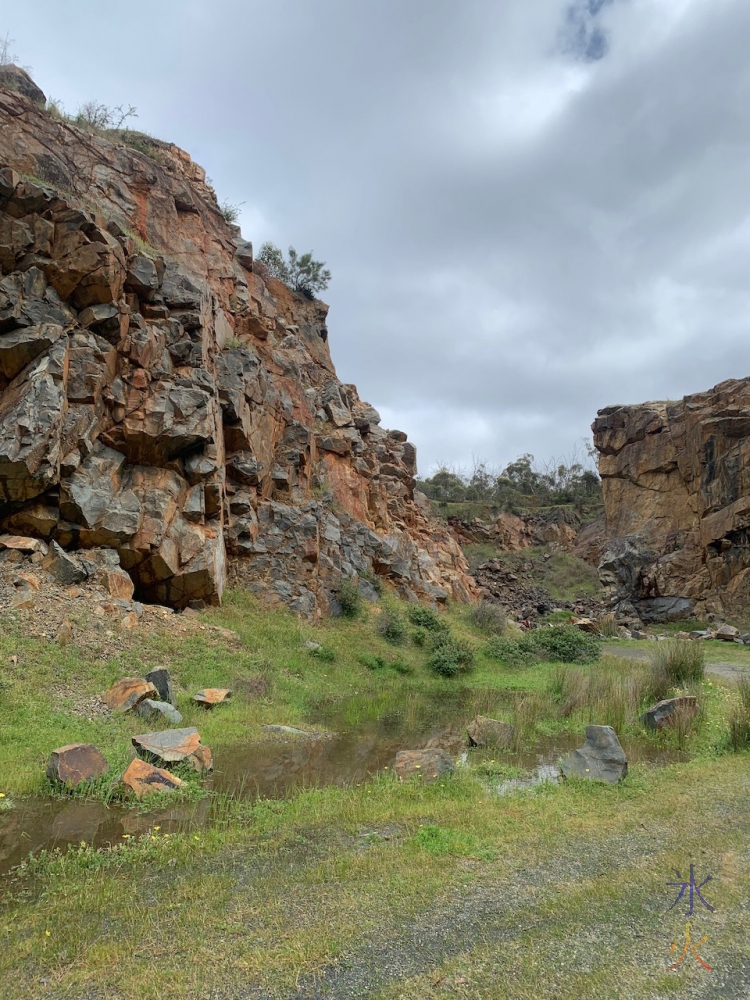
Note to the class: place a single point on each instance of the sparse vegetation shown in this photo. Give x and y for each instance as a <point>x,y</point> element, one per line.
<point>488,617</point>
<point>739,719</point>
<point>680,661</point>
<point>299,272</point>
<point>100,117</point>
<point>8,55</point>
<point>349,599</point>
<point>231,211</point>
<point>392,628</point>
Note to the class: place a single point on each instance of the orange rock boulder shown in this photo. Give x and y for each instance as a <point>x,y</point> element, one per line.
<point>143,778</point>
<point>74,763</point>
<point>127,693</point>
<point>209,697</point>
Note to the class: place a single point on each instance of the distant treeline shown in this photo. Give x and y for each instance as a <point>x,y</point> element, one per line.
<point>521,485</point>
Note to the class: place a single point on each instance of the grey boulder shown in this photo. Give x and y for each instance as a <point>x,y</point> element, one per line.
<point>149,708</point>
<point>601,757</point>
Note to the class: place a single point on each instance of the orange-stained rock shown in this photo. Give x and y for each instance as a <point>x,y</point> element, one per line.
<point>142,778</point>
<point>117,583</point>
<point>429,765</point>
<point>209,697</point>
<point>677,503</point>
<point>22,544</point>
<point>171,746</point>
<point>76,762</point>
<point>126,693</point>
<point>181,409</point>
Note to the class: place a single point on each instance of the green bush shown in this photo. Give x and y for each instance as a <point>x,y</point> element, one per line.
<point>349,598</point>
<point>488,617</point>
<point>326,655</point>
<point>509,651</point>
<point>372,662</point>
<point>401,667</point>
<point>299,272</point>
<point>563,643</point>
<point>682,661</point>
<point>426,618</point>
<point>392,628</point>
<point>420,636</point>
<point>450,656</point>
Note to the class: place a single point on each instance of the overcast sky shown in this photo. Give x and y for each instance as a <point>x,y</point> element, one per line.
<point>531,208</point>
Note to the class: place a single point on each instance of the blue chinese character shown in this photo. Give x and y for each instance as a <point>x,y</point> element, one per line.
<point>695,890</point>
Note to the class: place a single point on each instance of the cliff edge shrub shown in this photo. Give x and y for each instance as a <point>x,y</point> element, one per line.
<point>298,271</point>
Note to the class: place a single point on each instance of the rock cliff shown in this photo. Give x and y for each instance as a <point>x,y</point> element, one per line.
<point>161,400</point>
<point>676,481</point>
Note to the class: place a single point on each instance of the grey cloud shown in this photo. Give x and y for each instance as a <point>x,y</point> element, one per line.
<point>523,224</point>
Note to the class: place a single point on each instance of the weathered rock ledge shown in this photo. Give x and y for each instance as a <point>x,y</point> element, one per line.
<point>161,400</point>
<point>676,482</point>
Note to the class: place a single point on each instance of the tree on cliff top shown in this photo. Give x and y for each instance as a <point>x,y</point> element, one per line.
<point>301,273</point>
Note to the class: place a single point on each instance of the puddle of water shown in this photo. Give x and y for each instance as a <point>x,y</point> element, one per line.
<point>365,738</point>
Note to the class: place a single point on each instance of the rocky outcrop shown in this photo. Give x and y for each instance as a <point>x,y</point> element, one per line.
<point>676,485</point>
<point>557,529</point>
<point>161,401</point>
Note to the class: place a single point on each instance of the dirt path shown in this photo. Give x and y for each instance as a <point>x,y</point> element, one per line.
<point>503,914</point>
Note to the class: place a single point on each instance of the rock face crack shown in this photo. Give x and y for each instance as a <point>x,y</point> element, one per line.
<point>687,478</point>
<point>162,401</point>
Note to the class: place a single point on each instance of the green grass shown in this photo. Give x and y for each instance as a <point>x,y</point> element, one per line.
<point>271,891</point>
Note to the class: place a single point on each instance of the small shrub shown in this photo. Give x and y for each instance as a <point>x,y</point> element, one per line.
<point>350,599</point>
<point>326,655</point>
<point>230,212</point>
<point>372,662</point>
<point>606,627</point>
<point>100,117</point>
<point>392,628</point>
<point>142,143</point>
<point>509,651</point>
<point>401,667</point>
<point>374,580</point>
<point>420,636</point>
<point>682,661</point>
<point>488,617</point>
<point>564,643</point>
<point>426,618</point>
<point>450,656</point>
<point>299,272</point>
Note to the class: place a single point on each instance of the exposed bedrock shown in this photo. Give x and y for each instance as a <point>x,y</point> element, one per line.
<point>160,400</point>
<point>676,481</point>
